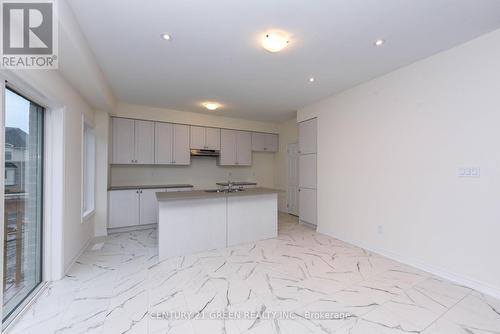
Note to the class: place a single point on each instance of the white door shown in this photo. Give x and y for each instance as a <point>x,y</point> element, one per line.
<point>307,171</point>
<point>163,143</point>
<point>243,148</point>
<point>148,206</point>
<point>181,154</point>
<point>227,147</point>
<point>123,208</point>
<point>307,205</point>
<point>293,179</point>
<point>307,136</point>
<point>212,138</point>
<point>198,136</point>
<point>271,142</point>
<point>144,142</point>
<point>123,141</point>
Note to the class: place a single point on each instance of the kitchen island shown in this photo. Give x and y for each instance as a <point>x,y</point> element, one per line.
<point>196,221</point>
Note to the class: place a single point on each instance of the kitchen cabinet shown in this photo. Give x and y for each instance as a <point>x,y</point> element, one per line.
<point>264,142</point>
<point>308,136</point>
<point>123,208</point>
<point>203,138</point>
<point>236,148</point>
<point>133,141</point>
<point>172,144</point>
<point>133,207</point>
<point>307,171</point>
<point>308,205</point>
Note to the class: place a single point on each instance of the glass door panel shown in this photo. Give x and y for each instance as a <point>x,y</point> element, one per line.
<point>23,200</point>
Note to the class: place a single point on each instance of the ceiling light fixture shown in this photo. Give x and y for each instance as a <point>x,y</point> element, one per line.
<point>211,105</point>
<point>379,42</point>
<point>311,79</point>
<point>275,41</point>
<point>166,36</point>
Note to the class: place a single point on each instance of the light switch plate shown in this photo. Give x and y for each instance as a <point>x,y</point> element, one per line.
<point>474,172</point>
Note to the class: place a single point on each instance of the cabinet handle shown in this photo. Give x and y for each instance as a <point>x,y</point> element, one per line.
<point>299,189</point>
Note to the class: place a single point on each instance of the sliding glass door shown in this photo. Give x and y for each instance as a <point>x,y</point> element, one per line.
<point>22,270</point>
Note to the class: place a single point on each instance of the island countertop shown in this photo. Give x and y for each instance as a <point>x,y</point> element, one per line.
<point>202,194</point>
<point>164,186</point>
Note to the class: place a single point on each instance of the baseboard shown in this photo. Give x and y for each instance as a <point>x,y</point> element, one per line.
<point>80,252</point>
<point>131,228</point>
<point>482,287</point>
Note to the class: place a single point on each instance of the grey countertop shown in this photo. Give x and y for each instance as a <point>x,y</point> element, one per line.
<point>237,183</point>
<point>201,194</point>
<point>164,186</point>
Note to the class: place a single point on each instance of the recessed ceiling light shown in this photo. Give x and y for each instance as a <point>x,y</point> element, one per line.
<point>275,41</point>
<point>379,42</point>
<point>311,79</point>
<point>211,105</point>
<point>166,36</point>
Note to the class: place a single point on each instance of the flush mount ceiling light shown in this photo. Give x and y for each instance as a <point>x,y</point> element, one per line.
<point>311,79</point>
<point>166,36</point>
<point>379,42</point>
<point>211,105</point>
<point>275,41</point>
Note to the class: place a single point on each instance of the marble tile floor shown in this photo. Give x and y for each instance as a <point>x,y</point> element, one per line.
<point>122,288</point>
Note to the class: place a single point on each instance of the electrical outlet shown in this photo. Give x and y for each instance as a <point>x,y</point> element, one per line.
<point>380,229</point>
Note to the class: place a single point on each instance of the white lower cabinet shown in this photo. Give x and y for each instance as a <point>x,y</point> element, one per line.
<point>308,205</point>
<point>133,207</point>
<point>123,208</point>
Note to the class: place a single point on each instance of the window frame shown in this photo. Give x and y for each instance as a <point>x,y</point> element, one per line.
<point>88,170</point>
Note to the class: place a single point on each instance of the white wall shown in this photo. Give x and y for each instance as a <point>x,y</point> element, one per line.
<point>288,134</point>
<point>387,156</point>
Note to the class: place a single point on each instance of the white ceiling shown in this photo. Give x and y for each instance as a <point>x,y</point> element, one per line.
<point>214,52</point>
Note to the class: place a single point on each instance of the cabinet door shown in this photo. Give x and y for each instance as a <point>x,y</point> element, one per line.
<point>123,141</point>
<point>148,206</point>
<point>123,208</point>
<point>144,142</point>
<point>181,154</point>
<point>258,141</point>
<point>307,136</point>
<point>163,143</point>
<point>198,138</point>
<point>271,142</point>
<point>243,148</point>
<point>212,138</point>
<point>307,205</point>
<point>227,147</point>
<point>307,171</point>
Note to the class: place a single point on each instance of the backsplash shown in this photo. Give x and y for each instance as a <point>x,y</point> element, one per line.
<point>203,173</point>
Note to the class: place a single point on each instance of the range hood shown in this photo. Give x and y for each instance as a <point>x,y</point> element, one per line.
<point>204,153</point>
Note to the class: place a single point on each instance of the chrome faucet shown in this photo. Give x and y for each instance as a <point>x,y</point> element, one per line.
<point>229,186</point>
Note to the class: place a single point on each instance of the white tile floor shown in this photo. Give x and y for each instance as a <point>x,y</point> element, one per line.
<point>122,288</point>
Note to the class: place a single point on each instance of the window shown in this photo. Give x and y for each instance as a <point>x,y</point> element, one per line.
<point>88,168</point>
<point>8,155</point>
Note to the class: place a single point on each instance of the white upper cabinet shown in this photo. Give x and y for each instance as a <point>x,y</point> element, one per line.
<point>164,133</point>
<point>180,145</point>
<point>172,144</point>
<point>308,136</point>
<point>123,141</point>
<point>264,142</point>
<point>133,141</point>
<point>243,148</point>
<point>203,138</point>
<point>236,148</point>
<point>213,138</point>
<point>198,140</point>
<point>144,142</point>
<point>227,148</point>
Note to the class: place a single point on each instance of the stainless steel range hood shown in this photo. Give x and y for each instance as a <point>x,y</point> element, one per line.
<point>205,153</point>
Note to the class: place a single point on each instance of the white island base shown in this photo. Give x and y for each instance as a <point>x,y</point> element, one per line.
<point>192,224</point>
